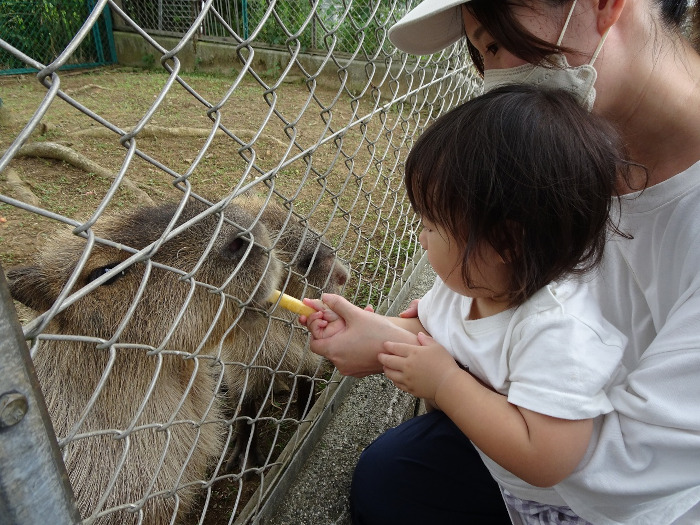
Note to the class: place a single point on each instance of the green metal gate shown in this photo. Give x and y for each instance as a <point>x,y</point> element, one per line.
<point>41,29</point>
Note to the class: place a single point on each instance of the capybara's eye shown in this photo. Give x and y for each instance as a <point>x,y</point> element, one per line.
<point>235,245</point>
<point>98,272</point>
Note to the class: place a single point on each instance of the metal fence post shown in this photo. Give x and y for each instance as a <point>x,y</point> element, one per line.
<point>34,487</point>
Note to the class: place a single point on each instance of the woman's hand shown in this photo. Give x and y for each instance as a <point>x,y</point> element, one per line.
<point>350,337</point>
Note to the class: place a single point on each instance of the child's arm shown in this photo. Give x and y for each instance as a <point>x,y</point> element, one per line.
<point>539,449</point>
<point>411,324</point>
<point>351,337</point>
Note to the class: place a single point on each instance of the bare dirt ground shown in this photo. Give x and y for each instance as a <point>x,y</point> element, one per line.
<point>174,137</point>
<point>69,163</point>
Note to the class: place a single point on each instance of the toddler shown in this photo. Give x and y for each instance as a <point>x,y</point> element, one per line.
<point>514,189</point>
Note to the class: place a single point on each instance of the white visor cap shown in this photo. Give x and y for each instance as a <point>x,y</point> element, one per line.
<point>429,27</point>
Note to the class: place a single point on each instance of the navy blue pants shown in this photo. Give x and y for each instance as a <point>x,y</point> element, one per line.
<point>424,472</point>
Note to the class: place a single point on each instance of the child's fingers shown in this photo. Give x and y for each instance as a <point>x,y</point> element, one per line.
<point>307,320</point>
<point>315,316</point>
<point>330,315</point>
<point>316,304</point>
<point>397,349</point>
<point>317,325</point>
<point>411,311</point>
<point>322,310</point>
<point>390,362</point>
<point>424,339</point>
<point>395,377</point>
<point>339,305</point>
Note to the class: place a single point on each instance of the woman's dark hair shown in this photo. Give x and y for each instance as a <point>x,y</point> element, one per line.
<point>497,19</point>
<point>528,171</point>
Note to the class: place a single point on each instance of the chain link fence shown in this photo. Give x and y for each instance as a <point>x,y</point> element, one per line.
<point>146,216</point>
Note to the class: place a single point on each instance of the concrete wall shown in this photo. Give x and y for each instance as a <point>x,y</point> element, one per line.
<point>133,50</point>
<point>211,57</point>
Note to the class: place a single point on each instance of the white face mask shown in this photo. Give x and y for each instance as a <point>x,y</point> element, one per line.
<point>576,80</point>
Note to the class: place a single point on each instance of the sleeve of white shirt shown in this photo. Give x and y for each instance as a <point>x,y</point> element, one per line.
<point>561,365</point>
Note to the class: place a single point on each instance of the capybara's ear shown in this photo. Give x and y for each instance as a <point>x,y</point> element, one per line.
<point>29,286</point>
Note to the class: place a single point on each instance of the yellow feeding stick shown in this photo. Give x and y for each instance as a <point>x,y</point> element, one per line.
<point>290,303</point>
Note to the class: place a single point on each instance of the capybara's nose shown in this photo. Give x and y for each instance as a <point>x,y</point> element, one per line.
<point>340,275</point>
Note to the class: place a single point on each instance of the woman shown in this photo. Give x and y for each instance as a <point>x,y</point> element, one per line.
<point>643,465</point>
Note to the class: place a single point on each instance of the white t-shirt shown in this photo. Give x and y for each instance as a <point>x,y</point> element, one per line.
<point>644,464</point>
<point>555,354</point>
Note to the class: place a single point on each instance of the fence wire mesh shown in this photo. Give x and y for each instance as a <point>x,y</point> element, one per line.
<point>146,215</point>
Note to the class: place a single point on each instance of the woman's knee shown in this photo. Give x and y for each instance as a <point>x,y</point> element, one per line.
<point>423,471</point>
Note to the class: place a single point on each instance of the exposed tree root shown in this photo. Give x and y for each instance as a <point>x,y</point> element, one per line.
<point>19,188</point>
<point>151,131</point>
<point>51,150</point>
<point>83,89</point>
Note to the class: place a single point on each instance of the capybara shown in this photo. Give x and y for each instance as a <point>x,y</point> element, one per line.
<point>131,371</point>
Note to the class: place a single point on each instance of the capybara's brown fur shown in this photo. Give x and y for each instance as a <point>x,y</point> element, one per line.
<point>142,419</point>
<point>140,416</point>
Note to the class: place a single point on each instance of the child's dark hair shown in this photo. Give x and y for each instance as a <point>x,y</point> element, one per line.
<point>527,170</point>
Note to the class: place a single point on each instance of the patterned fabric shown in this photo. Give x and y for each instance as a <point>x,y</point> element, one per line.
<point>533,513</point>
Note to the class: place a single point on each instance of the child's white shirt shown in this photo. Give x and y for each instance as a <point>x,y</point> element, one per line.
<point>555,355</point>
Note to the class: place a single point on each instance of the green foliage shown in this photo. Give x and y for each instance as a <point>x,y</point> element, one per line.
<point>282,28</point>
<point>356,27</point>
<point>148,60</point>
<point>348,26</point>
<point>41,29</point>
<point>359,26</point>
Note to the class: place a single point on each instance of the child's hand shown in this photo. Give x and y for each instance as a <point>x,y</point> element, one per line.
<point>323,323</point>
<point>418,370</point>
<point>348,336</point>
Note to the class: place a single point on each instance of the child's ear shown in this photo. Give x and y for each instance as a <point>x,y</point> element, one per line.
<point>513,243</point>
